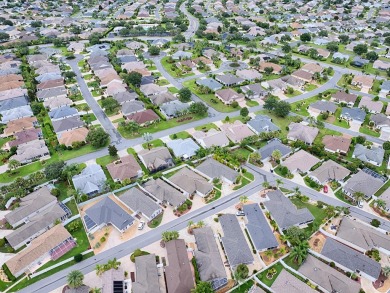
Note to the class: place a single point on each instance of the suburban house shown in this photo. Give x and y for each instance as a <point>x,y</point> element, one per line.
<point>259,229</point>
<point>276,69</point>
<point>146,275</point>
<point>371,105</point>
<point>51,245</point>
<point>329,171</point>
<point>178,274</point>
<point>228,96</point>
<point>380,120</point>
<point>320,107</point>
<point>67,124</point>
<point>362,182</point>
<point>208,258</point>
<point>90,181</point>
<point>254,91</point>
<point>305,133</point>
<point>164,193</point>
<point>126,167</point>
<point>76,135</point>
<point>363,81</point>
<point>336,144</point>
<point>286,282</point>
<point>31,151</point>
<point>183,148</point>
<point>18,125</point>
<point>236,131</point>
<point>174,109</point>
<point>312,68</point>
<point>303,75</point>
<point>209,83</point>
<point>214,169</point>
<point>249,74</point>
<point>24,137</point>
<point>234,242</point>
<point>350,260</point>
<point>140,203</point>
<point>362,237</point>
<point>211,138</point>
<point>354,115</point>
<point>229,79</point>
<point>143,117</point>
<point>285,213</point>
<point>327,278</point>
<point>343,97</point>
<point>112,281</point>
<point>373,155</point>
<point>190,182</point>
<point>274,144</point>
<point>262,123</point>
<point>156,159</point>
<point>300,162</point>
<point>105,212</point>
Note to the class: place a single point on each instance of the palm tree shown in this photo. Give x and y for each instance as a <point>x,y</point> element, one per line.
<point>380,203</point>
<point>299,252</point>
<point>278,182</point>
<point>276,155</point>
<point>75,279</point>
<point>265,184</point>
<point>200,224</point>
<point>13,164</point>
<point>358,196</point>
<point>86,108</point>
<point>100,269</point>
<point>297,191</point>
<point>329,211</point>
<point>386,271</point>
<point>243,199</point>
<point>113,263</point>
<point>190,223</point>
<point>268,254</point>
<point>284,238</point>
<point>95,290</point>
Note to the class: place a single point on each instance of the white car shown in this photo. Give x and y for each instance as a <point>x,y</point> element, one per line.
<point>360,204</point>
<point>141,225</point>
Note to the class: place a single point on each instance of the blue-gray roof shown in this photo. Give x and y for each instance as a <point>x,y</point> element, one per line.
<point>215,169</point>
<point>91,179</point>
<point>258,228</point>
<point>183,147</point>
<point>13,103</point>
<point>262,123</point>
<point>374,154</point>
<point>274,144</point>
<point>62,112</point>
<point>386,85</point>
<point>210,83</point>
<point>354,113</point>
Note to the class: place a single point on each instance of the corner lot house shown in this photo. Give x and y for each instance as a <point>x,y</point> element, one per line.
<point>209,83</point>
<point>298,131</point>
<point>274,144</point>
<point>140,203</point>
<point>229,79</point>
<point>336,144</point>
<point>262,123</point>
<point>362,182</point>
<point>285,213</point>
<point>105,212</point>
<point>91,180</point>
<point>214,169</point>
<point>33,150</point>
<point>156,159</point>
<point>49,246</point>
<point>126,167</point>
<point>343,97</point>
<point>208,258</point>
<point>191,182</point>
<point>329,171</point>
<point>371,105</point>
<point>300,162</point>
<point>228,96</point>
<point>355,115</point>
<point>178,273</point>
<point>326,277</point>
<point>319,107</point>
<point>351,260</point>
<point>374,155</point>
<point>259,230</point>
<point>164,193</point>
<point>362,237</point>
<point>234,242</point>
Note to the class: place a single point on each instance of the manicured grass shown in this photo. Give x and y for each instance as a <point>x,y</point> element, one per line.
<point>104,161</point>
<point>318,214</point>
<point>243,182</point>
<point>182,135</point>
<point>301,106</point>
<point>72,206</point>
<point>242,152</point>
<point>325,131</point>
<point>249,175</point>
<point>119,120</point>
<point>366,130</point>
<point>338,121</point>
<point>263,275</point>
<point>244,287</point>
<point>88,118</point>
<point>206,127</point>
<point>65,190</point>
<point>87,77</point>
<point>294,94</point>
<point>169,68</point>
<point>162,125</point>
<point>173,90</point>
<point>162,82</point>
<point>282,123</point>
<point>156,221</point>
<point>291,263</point>
<point>153,144</point>
<point>341,196</point>
<point>209,99</point>
<point>383,188</point>
<point>310,87</point>
<point>251,103</point>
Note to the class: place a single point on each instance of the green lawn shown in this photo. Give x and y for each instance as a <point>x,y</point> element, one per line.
<point>341,196</point>
<point>88,118</point>
<point>251,103</point>
<point>340,122</point>
<point>104,161</point>
<point>383,188</point>
<point>300,107</point>
<point>73,207</point>
<point>282,123</point>
<point>263,275</point>
<point>156,221</point>
<point>294,94</point>
<point>244,287</point>
<point>209,99</point>
<point>325,131</point>
<point>170,66</point>
<point>366,130</point>
<point>162,125</point>
<point>244,181</point>
<point>87,77</point>
<point>153,144</point>
<point>173,90</point>
<point>310,87</point>
<point>318,214</point>
<point>242,152</point>
<point>182,135</point>
<point>206,127</point>
<point>291,263</point>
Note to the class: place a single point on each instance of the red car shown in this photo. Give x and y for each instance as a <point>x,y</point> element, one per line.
<point>326,188</point>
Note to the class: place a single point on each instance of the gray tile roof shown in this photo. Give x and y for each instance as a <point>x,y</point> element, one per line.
<point>13,103</point>
<point>183,147</point>
<point>284,212</point>
<point>330,170</point>
<point>262,123</point>
<point>208,258</point>
<point>62,112</point>
<point>91,179</point>
<point>374,154</point>
<point>324,106</point>
<point>67,124</point>
<point>362,235</point>
<point>363,182</point>
<point>215,169</point>
<point>229,79</point>
<point>234,242</point>
<point>191,182</point>
<point>274,144</point>
<point>288,283</point>
<point>174,108</point>
<point>258,228</point>
<point>107,211</point>
<point>129,107</point>
<point>356,114</point>
<point>164,192</point>
<point>147,280</point>
<point>138,201</point>
<point>350,258</point>
<point>328,278</point>
<point>210,83</point>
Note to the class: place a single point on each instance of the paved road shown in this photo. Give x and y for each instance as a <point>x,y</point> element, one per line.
<point>95,107</point>
<point>193,25</point>
<point>59,279</point>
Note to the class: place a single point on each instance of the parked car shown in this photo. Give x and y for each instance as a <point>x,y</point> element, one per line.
<point>360,204</point>
<point>325,188</point>
<point>141,225</point>
<point>240,214</point>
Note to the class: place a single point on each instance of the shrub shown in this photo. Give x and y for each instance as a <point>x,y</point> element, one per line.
<point>2,242</point>
<point>56,192</point>
<point>78,257</point>
<point>103,239</point>
<point>332,264</point>
<point>6,270</point>
<point>375,222</point>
